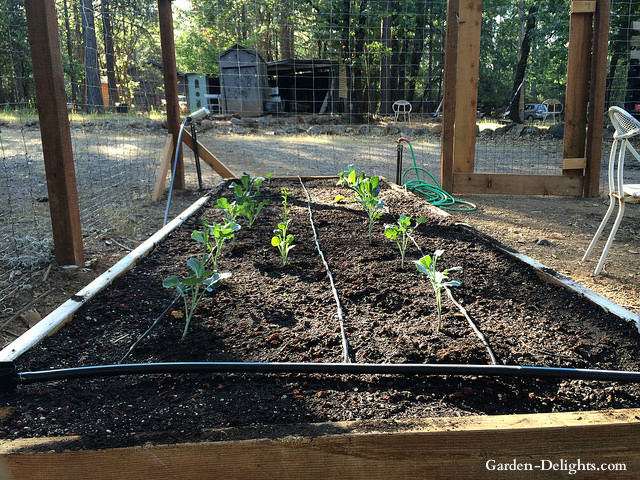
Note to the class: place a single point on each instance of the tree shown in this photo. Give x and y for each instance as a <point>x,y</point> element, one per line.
<point>92,73</point>
<point>518,80</point>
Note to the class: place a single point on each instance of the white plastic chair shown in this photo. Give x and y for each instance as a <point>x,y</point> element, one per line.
<point>626,127</point>
<point>402,107</point>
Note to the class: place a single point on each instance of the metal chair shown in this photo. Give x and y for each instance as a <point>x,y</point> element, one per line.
<point>401,107</point>
<point>626,127</point>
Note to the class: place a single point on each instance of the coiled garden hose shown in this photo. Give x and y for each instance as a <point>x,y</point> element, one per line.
<point>429,188</point>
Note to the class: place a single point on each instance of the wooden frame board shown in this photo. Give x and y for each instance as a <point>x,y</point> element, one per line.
<point>458,447</point>
<point>480,183</point>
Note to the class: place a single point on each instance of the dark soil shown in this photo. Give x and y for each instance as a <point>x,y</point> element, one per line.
<point>267,312</point>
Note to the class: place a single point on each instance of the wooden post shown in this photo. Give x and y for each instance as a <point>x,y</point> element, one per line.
<point>464,144</point>
<point>449,96</point>
<point>578,74</point>
<point>54,130</point>
<point>597,97</point>
<point>170,83</point>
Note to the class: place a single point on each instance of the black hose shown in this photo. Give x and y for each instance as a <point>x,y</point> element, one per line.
<point>345,343</point>
<point>326,368</point>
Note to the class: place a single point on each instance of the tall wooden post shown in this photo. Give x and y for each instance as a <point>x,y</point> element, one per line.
<point>449,96</point>
<point>170,83</point>
<point>597,97</point>
<point>54,130</point>
<point>577,96</point>
<point>464,144</point>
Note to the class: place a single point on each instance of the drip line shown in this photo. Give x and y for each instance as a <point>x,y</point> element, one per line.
<point>345,343</point>
<point>9,377</point>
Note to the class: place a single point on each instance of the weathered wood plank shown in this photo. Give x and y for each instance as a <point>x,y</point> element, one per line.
<point>208,157</point>
<point>583,6</point>
<point>597,97</point>
<point>449,95</point>
<point>170,75</point>
<point>434,448</point>
<point>577,90</point>
<point>574,163</point>
<point>518,184</point>
<point>163,168</point>
<point>54,130</point>
<point>469,23</point>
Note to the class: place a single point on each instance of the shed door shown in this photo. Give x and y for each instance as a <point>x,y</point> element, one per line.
<point>243,93</point>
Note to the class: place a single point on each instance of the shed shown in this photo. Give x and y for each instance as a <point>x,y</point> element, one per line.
<point>243,80</point>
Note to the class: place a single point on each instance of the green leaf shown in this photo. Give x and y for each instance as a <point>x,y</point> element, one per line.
<point>196,266</point>
<point>171,281</point>
<point>191,281</point>
<point>275,241</point>
<point>339,198</point>
<point>352,176</point>
<point>222,203</point>
<point>199,236</point>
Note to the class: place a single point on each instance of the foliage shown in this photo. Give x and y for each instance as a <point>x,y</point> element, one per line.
<point>245,194</point>
<point>427,265</point>
<point>365,192</point>
<point>231,209</point>
<point>401,231</point>
<point>282,240</point>
<point>193,287</point>
<point>219,233</point>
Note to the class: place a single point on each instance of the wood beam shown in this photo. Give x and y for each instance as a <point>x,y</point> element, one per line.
<point>597,97</point>
<point>455,447</point>
<point>170,75</point>
<point>577,91</point>
<point>481,183</point>
<point>208,157</point>
<point>469,26</point>
<point>163,168</point>
<point>51,99</point>
<point>449,96</point>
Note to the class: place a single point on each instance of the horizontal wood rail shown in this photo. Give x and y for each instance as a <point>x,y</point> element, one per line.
<point>480,183</point>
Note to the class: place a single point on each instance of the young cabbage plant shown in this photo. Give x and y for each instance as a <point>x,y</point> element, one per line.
<point>401,231</point>
<point>249,187</point>
<point>366,192</point>
<point>251,208</point>
<point>427,265</point>
<point>194,286</point>
<point>213,237</point>
<point>231,209</point>
<point>282,240</point>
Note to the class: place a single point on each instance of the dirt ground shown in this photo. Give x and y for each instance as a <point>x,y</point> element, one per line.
<point>520,222</point>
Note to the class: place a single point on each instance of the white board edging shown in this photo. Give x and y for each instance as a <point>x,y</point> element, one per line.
<point>64,312</point>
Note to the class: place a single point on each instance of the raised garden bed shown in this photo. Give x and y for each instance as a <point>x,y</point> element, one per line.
<point>267,312</point>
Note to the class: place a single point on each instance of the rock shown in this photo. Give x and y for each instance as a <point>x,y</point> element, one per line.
<point>279,131</point>
<point>250,122</point>
<point>338,129</point>
<point>544,242</point>
<point>392,129</point>
<point>530,130</point>
<point>419,131</point>
<point>435,129</point>
<point>377,130</point>
<point>30,123</point>
<point>31,317</point>
<point>515,131</point>
<point>291,130</point>
<point>205,125</point>
<point>406,130</point>
<point>557,130</point>
<point>363,130</point>
<point>236,121</point>
<point>316,130</point>
<point>239,130</point>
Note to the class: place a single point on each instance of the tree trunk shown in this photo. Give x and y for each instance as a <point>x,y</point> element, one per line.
<point>525,49</point>
<point>107,33</point>
<point>92,74</point>
<point>286,33</point>
<point>612,73</point>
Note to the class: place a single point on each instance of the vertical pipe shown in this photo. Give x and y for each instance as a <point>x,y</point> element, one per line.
<point>170,83</point>
<point>54,130</point>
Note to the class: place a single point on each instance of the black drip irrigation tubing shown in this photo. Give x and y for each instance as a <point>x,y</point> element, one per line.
<point>345,343</point>
<point>9,377</point>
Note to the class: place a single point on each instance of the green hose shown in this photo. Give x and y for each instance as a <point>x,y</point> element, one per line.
<point>431,190</point>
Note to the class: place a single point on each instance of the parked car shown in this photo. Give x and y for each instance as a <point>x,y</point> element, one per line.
<point>534,111</point>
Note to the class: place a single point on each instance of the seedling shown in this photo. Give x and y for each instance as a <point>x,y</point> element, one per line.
<point>282,240</point>
<point>219,233</point>
<point>400,232</point>
<point>249,187</point>
<point>427,265</point>
<point>251,208</point>
<point>366,192</point>
<point>193,287</point>
<point>231,209</point>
